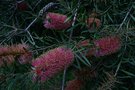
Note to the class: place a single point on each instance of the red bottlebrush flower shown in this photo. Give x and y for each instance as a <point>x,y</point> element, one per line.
<point>83,43</point>
<point>106,46</point>
<point>56,21</point>
<point>6,60</point>
<point>90,52</point>
<point>94,14</point>
<point>25,58</point>
<point>93,21</point>
<point>21,5</point>
<point>52,62</point>
<point>13,50</point>
<point>75,84</point>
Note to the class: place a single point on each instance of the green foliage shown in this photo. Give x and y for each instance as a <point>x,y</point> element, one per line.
<point>117,17</point>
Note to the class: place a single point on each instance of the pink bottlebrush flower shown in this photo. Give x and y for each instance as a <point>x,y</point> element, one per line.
<point>90,52</point>
<point>56,21</point>
<point>6,60</point>
<point>93,21</point>
<point>75,84</point>
<point>21,5</point>
<point>106,46</point>
<point>25,58</point>
<point>52,62</point>
<point>13,50</point>
<point>84,43</point>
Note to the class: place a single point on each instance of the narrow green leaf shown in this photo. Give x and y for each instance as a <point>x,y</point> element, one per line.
<point>128,73</point>
<point>133,18</point>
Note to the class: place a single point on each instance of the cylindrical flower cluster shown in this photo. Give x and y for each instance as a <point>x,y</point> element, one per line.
<point>74,84</point>
<point>8,54</point>
<point>93,23</point>
<point>25,58</point>
<point>21,5</point>
<point>105,46</point>
<point>56,21</point>
<point>13,50</point>
<point>84,43</point>
<point>6,60</point>
<point>52,62</point>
